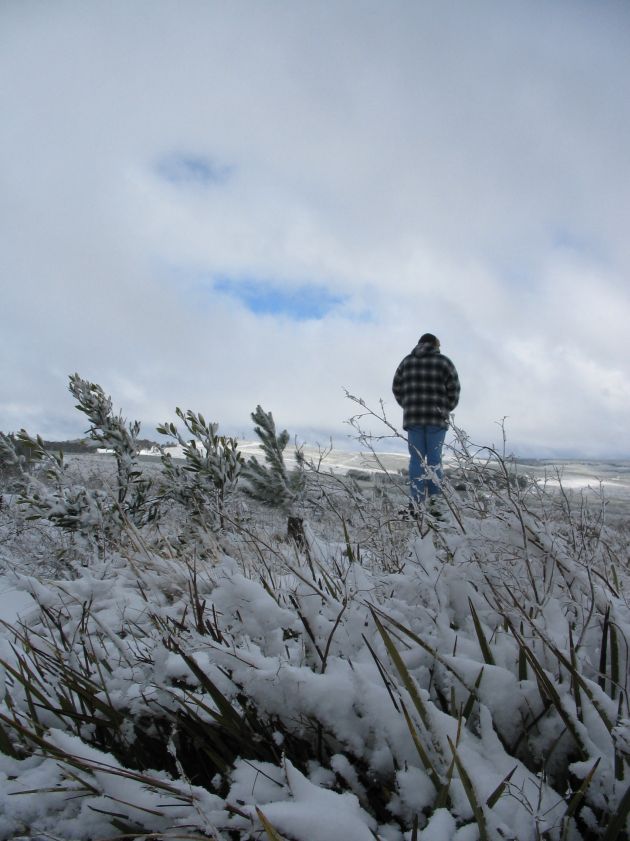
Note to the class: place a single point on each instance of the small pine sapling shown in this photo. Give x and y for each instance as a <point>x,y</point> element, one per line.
<point>113,432</point>
<point>271,483</point>
<point>213,464</point>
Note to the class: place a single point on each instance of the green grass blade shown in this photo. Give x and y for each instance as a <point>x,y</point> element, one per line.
<point>575,685</point>
<point>483,642</point>
<point>578,797</point>
<point>603,652</point>
<point>443,798</point>
<point>476,807</point>
<point>614,661</point>
<point>424,756</point>
<point>548,690</point>
<point>403,671</point>
<point>228,715</point>
<point>496,794</point>
<point>472,697</point>
<point>566,662</point>
<point>349,550</point>
<point>429,649</point>
<point>381,671</point>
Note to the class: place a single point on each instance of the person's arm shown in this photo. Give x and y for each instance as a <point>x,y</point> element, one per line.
<point>453,387</point>
<point>397,385</point>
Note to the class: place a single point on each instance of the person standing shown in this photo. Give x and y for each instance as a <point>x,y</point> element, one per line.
<point>427,388</point>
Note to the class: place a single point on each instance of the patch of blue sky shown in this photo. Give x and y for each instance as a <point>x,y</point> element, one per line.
<point>262,297</point>
<point>582,244</point>
<point>185,169</point>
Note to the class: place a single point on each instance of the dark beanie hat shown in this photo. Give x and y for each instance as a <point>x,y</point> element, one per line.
<point>429,339</point>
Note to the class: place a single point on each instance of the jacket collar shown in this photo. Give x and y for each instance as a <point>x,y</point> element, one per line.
<point>424,349</point>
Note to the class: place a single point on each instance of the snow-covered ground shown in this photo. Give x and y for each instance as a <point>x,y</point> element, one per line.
<point>14,600</point>
<point>336,460</point>
<point>613,476</point>
<point>436,679</point>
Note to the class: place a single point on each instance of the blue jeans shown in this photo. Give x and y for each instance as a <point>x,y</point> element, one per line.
<point>425,451</point>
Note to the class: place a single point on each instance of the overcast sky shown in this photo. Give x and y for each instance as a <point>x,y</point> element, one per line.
<point>218,204</point>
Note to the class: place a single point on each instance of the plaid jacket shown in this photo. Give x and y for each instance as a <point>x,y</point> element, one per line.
<point>426,385</point>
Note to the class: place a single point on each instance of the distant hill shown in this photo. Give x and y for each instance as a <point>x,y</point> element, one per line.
<point>86,445</point>
<point>79,445</point>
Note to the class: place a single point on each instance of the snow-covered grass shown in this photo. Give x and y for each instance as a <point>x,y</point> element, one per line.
<point>439,679</point>
<point>391,679</point>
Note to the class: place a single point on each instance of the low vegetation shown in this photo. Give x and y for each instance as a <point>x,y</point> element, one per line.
<point>188,669</point>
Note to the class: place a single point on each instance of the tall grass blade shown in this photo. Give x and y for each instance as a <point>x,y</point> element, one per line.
<point>424,756</point>
<point>522,660</point>
<point>403,671</point>
<point>483,642</point>
<point>575,685</point>
<point>381,671</point>
<point>578,797</point>
<point>619,754</point>
<point>548,690</point>
<point>476,807</point>
<point>443,798</point>
<point>428,648</point>
<point>414,829</point>
<point>566,662</point>
<point>614,661</point>
<point>349,550</point>
<point>584,686</point>
<point>603,652</point>
<point>227,714</point>
<point>493,798</point>
<point>472,697</point>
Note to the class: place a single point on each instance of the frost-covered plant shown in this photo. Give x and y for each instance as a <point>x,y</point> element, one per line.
<point>212,468</point>
<point>272,483</point>
<point>48,493</point>
<point>95,515</point>
<point>114,433</point>
<point>16,460</point>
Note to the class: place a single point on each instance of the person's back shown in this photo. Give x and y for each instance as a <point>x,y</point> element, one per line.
<point>427,388</point>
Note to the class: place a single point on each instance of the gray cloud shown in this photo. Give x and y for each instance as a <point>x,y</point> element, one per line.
<point>443,167</point>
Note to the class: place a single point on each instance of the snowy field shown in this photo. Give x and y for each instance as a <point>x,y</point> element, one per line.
<point>202,675</point>
<point>612,475</point>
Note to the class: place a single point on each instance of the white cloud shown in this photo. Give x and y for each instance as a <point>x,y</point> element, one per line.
<point>445,168</point>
